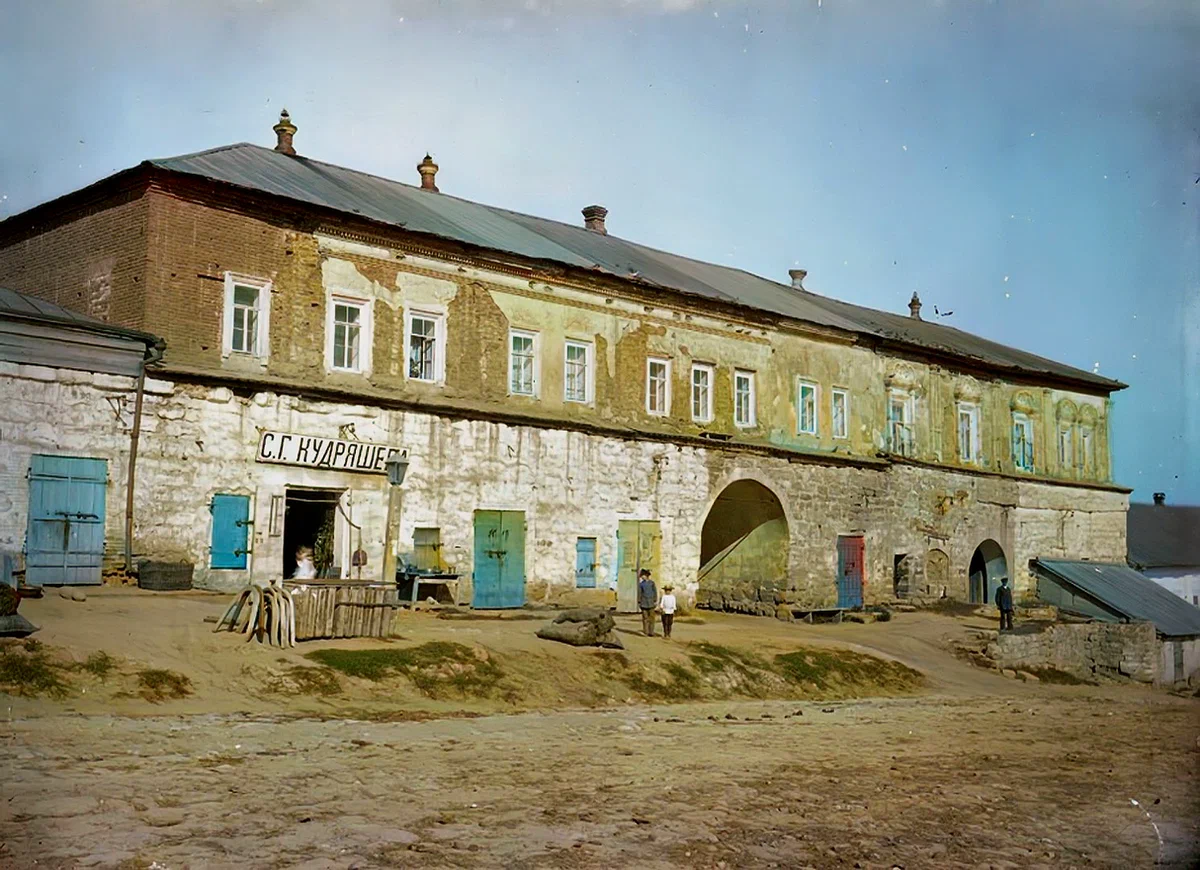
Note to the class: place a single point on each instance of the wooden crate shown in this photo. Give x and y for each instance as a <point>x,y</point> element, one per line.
<point>325,610</point>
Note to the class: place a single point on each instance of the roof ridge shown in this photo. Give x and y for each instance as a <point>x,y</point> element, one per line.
<point>217,150</point>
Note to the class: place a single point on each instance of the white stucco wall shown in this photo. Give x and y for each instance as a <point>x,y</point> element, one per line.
<point>201,440</point>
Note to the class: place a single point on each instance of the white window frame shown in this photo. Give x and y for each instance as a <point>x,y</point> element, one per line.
<point>366,330</point>
<point>706,412</point>
<point>1087,448</point>
<point>439,343</point>
<point>833,419</point>
<point>535,359</point>
<point>1025,423</point>
<point>747,375</point>
<point>814,426</point>
<point>666,363</point>
<point>263,310</point>
<point>589,373</point>
<point>905,444</point>
<point>1066,446</point>
<point>971,455</point>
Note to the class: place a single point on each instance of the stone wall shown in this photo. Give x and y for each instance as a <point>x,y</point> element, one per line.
<point>1094,649</point>
<point>200,440</point>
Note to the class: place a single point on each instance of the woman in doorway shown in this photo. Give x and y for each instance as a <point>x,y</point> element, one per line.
<point>305,568</point>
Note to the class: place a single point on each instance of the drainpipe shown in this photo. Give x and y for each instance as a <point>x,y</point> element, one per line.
<point>154,355</point>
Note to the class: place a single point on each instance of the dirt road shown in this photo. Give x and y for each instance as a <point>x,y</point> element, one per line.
<point>1043,778</point>
<point>976,771</point>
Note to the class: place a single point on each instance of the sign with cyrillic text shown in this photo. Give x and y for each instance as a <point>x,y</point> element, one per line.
<point>286,448</point>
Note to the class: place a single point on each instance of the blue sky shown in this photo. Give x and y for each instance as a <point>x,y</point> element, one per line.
<point>1031,167</point>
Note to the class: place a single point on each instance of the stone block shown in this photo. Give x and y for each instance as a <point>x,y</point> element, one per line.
<point>156,387</point>
<point>113,382</point>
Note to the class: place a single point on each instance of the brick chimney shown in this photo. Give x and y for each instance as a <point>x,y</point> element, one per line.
<point>593,219</point>
<point>284,131</point>
<point>428,170</point>
<point>1160,498</point>
<point>798,276</point>
<point>914,306</point>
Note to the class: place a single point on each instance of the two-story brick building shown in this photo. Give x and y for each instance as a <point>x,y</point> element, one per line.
<point>574,404</point>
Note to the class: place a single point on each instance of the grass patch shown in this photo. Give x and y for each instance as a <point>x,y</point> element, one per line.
<point>158,685</point>
<point>681,684</point>
<point>1057,677</point>
<point>27,670</point>
<point>99,664</point>
<point>436,669</point>
<point>843,669</point>
<point>301,680</point>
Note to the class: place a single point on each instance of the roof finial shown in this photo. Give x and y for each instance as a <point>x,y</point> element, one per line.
<point>914,306</point>
<point>428,170</point>
<point>284,131</point>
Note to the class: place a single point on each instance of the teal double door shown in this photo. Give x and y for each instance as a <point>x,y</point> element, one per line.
<point>499,579</point>
<point>64,543</point>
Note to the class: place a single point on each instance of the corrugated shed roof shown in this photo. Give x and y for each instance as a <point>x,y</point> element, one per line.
<point>25,307</point>
<point>407,206</point>
<point>1127,592</point>
<point>1163,536</point>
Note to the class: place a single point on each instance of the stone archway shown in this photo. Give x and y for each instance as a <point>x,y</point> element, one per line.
<point>744,545</point>
<point>988,566</point>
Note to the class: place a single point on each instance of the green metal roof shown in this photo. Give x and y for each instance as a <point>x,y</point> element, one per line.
<point>1126,592</point>
<point>304,180</point>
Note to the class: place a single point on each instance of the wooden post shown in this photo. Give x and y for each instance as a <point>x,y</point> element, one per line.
<point>389,535</point>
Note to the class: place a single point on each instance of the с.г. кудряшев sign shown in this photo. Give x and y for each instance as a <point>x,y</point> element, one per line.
<point>286,448</point>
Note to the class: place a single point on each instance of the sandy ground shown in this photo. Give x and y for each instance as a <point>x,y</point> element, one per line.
<point>979,771</point>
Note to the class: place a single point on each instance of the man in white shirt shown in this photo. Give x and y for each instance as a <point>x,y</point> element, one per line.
<point>667,608</point>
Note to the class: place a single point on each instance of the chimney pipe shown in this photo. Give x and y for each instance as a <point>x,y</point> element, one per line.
<point>593,219</point>
<point>428,170</point>
<point>284,131</point>
<point>1160,498</point>
<point>914,306</point>
<point>798,276</point>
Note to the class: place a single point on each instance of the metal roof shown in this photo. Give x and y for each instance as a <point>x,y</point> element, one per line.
<point>304,180</point>
<point>1163,536</point>
<point>21,306</point>
<point>1125,591</point>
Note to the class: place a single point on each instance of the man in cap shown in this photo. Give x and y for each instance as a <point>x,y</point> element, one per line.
<point>647,601</point>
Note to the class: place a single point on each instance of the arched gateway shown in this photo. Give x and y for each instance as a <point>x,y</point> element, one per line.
<point>744,543</point>
<point>988,566</point>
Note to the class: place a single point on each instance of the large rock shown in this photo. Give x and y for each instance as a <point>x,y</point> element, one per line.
<point>16,625</point>
<point>583,627</point>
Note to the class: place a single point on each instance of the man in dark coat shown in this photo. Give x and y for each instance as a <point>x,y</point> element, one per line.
<point>1004,602</point>
<point>647,601</point>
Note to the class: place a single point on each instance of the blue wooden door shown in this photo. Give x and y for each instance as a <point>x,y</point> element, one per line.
<point>499,579</point>
<point>851,549</point>
<point>585,563</point>
<point>65,539</point>
<point>230,531</point>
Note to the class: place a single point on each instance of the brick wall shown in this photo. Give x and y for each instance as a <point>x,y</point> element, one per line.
<point>93,262</point>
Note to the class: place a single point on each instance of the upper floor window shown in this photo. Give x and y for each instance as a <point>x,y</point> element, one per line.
<point>349,334</point>
<point>840,408</point>
<point>247,309</point>
<point>1087,449</point>
<point>658,386</point>
<point>968,432</point>
<point>1023,442</point>
<point>900,429</point>
<point>425,339</point>
<point>702,392</point>
<point>578,379</point>
<point>1066,445</point>
<point>806,408</point>
<point>522,363</point>
<point>743,398</point>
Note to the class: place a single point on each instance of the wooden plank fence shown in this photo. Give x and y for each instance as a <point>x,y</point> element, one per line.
<point>328,610</point>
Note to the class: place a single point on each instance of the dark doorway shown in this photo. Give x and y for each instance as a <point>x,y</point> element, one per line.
<point>310,520</point>
<point>900,575</point>
<point>988,566</point>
